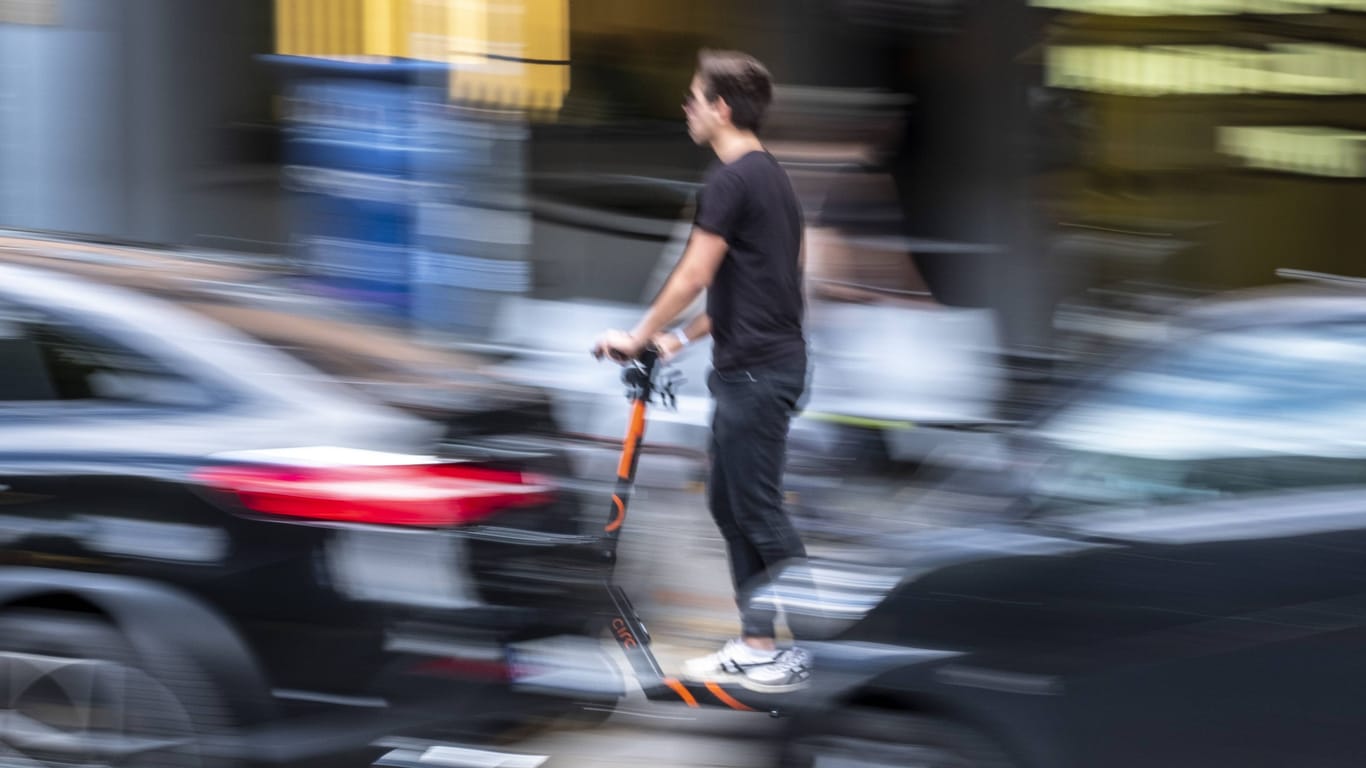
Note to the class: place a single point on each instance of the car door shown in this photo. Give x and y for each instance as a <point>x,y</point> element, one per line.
<point>98,436</point>
<point>80,454</point>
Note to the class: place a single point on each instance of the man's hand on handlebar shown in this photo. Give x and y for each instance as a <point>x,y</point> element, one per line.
<point>618,345</point>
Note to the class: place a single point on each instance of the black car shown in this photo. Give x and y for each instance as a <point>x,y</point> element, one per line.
<point>210,551</point>
<point>1169,569</point>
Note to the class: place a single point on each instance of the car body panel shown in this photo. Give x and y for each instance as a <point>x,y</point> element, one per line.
<point>102,491</point>
<point>1136,602</point>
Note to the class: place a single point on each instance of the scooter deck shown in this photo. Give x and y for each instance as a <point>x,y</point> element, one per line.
<point>634,640</point>
<point>719,694</point>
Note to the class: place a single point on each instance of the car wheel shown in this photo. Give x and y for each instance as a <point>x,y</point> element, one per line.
<point>871,738</point>
<point>74,692</point>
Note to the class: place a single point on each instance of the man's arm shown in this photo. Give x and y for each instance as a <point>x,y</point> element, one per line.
<point>669,344</point>
<point>694,273</point>
<point>699,328</point>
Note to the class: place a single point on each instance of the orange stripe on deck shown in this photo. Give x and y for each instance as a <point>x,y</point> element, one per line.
<point>621,514</point>
<point>682,691</point>
<point>633,434</point>
<point>727,699</point>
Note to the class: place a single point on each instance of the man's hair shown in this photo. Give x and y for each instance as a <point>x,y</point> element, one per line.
<point>741,80</point>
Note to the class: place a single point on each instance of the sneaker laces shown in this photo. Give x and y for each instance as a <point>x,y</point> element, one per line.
<point>792,660</point>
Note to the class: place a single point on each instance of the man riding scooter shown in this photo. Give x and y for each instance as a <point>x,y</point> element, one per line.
<point>745,250</point>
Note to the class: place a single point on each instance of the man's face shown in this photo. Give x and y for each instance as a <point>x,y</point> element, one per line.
<point>703,117</point>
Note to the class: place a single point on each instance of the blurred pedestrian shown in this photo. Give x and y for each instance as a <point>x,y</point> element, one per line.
<point>745,250</point>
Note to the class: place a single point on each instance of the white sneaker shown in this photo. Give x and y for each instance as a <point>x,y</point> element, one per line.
<point>761,671</point>
<point>733,659</point>
<point>790,670</point>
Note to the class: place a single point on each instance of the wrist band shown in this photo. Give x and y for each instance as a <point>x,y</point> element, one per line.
<point>682,336</point>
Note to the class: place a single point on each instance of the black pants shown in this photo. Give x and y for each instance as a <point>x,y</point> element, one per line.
<point>748,450</point>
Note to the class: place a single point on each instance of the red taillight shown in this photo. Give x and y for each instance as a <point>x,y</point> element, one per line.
<point>424,495</point>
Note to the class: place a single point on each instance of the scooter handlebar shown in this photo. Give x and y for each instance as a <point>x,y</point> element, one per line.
<point>648,358</point>
<point>643,378</point>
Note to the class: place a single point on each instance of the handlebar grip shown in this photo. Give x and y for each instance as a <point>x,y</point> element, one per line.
<point>649,357</point>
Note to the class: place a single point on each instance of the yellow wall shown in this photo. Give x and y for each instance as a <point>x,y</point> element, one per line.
<point>509,53</point>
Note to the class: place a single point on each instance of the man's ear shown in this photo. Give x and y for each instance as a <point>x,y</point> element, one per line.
<point>723,109</point>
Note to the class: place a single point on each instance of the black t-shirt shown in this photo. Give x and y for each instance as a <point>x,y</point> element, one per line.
<point>755,301</point>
